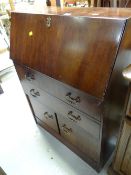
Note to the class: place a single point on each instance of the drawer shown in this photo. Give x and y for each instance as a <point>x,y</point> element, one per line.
<point>76,98</point>
<point>79,138</point>
<point>61,108</point>
<point>45,114</point>
<point>25,73</point>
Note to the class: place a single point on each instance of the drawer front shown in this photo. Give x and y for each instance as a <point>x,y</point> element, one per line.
<point>79,138</point>
<point>70,95</point>
<point>26,73</point>
<point>71,114</point>
<point>66,93</point>
<point>45,114</point>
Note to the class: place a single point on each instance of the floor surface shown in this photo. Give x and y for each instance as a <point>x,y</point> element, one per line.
<point>26,148</point>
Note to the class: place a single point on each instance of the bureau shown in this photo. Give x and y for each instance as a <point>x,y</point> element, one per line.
<point>69,62</point>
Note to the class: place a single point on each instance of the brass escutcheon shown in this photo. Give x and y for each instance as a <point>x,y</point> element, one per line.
<point>48,21</point>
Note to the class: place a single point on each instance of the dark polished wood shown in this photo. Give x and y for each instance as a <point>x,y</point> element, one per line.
<point>64,92</point>
<point>86,49</point>
<point>128,4</point>
<point>69,145</point>
<point>26,44</point>
<point>45,114</point>
<point>88,12</point>
<point>56,58</point>
<point>82,140</point>
<point>115,99</point>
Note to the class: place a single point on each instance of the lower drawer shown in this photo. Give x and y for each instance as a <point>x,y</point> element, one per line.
<point>74,116</point>
<point>79,138</point>
<point>45,114</point>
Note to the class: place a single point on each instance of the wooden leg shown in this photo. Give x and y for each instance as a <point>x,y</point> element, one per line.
<point>113,3</point>
<point>92,3</point>
<point>98,3</point>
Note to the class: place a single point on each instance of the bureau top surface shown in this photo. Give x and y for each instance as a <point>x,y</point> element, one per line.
<point>120,13</point>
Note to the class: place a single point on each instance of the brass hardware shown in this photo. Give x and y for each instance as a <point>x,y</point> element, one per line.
<point>73,117</point>
<point>66,130</point>
<point>48,21</point>
<point>46,115</point>
<point>34,93</point>
<point>30,33</point>
<point>29,75</point>
<point>72,100</point>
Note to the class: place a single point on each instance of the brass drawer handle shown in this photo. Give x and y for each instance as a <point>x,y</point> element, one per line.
<point>48,21</point>
<point>72,100</point>
<point>67,130</point>
<point>30,76</point>
<point>47,115</point>
<point>73,117</point>
<point>34,93</point>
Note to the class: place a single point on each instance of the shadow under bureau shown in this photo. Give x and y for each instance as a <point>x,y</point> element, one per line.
<point>69,62</point>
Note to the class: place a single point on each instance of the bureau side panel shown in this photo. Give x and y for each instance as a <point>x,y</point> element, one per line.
<point>115,100</point>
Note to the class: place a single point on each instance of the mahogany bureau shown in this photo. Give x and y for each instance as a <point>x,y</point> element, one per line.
<point>70,63</point>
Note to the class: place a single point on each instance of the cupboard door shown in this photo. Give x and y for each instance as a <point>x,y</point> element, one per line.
<point>81,139</point>
<point>27,37</point>
<point>45,114</point>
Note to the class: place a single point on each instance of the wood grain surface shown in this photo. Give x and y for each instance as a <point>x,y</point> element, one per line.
<point>75,50</point>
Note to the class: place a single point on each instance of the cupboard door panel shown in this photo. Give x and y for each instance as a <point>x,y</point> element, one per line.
<point>45,114</point>
<point>78,137</point>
